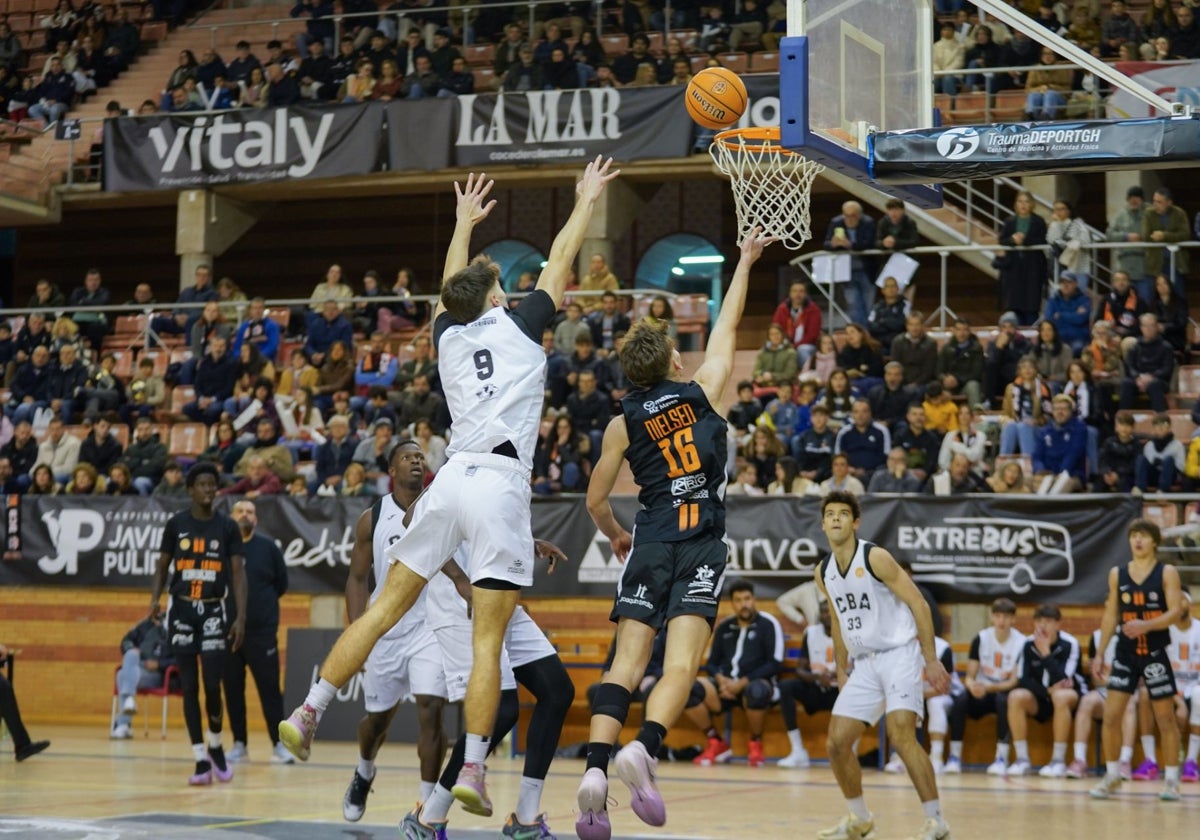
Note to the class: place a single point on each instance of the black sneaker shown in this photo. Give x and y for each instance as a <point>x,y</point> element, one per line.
<point>354,804</point>
<point>31,749</point>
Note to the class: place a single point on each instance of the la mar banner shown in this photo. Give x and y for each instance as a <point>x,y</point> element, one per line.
<point>966,548</point>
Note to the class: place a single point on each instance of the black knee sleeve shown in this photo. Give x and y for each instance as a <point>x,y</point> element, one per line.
<point>612,701</point>
<point>759,694</point>
<point>696,695</point>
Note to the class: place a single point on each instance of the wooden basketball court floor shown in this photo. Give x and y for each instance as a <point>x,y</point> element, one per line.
<point>86,787</point>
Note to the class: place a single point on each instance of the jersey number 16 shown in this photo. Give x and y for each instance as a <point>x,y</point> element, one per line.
<point>685,459</point>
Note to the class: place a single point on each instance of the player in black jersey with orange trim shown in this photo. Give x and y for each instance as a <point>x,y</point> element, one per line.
<point>1144,598</point>
<point>673,433</point>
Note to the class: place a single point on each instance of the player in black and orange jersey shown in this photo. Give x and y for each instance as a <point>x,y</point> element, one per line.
<point>202,554</point>
<point>673,433</point>
<point>1144,598</point>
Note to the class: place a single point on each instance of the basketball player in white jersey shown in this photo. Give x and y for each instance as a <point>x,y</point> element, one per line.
<point>492,367</point>
<point>1184,653</point>
<point>405,662</point>
<point>882,638</point>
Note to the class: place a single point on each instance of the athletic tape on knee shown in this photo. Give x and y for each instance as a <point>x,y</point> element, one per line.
<point>696,695</point>
<point>758,694</point>
<point>612,701</point>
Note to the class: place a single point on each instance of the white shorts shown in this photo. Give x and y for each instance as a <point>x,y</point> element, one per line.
<point>400,669</point>
<point>524,642</point>
<point>482,500</point>
<point>886,682</point>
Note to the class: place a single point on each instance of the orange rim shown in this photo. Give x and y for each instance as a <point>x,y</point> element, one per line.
<point>757,139</point>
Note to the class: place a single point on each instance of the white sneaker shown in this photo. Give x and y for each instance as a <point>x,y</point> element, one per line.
<point>933,829</point>
<point>850,828</point>
<point>1107,787</point>
<point>237,753</point>
<point>953,766</point>
<point>1054,770</point>
<point>997,768</point>
<point>896,765</point>
<point>280,755</point>
<point>1020,767</point>
<point>795,759</point>
<point>121,732</point>
<point>129,707</point>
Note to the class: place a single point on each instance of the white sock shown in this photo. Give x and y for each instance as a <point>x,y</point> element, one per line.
<point>1171,774</point>
<point>933,809</point>
<point>427,790</point>
<point>798,744</point>
<point>1060,752</point>
<point>437,806</point>
<point>529,800</point>
<point>1112,769</point>
<point>477,749</point>
<point>214,738</point>
<point>1149,749</point>
<point>858,808</point>
<point>1126,755</point>
<point>1022,748</point>
<point>1193,749</point>
<point>1001,752</point>
<point>320,696</point>
<point>956,748</point>
<point>937,748</point>
<point>200,752</point>
<point>1081,751</point>
<point>366,768</point>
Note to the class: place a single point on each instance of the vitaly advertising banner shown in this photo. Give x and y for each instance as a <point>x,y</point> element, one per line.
<point>966,548</point>
<point>182,151</point>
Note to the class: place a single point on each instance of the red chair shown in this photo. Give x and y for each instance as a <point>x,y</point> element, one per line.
<point>164,691</point>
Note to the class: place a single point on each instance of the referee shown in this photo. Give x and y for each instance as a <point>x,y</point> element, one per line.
<point>266,582</point>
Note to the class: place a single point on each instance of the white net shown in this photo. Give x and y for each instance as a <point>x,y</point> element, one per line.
<point>771,186</point>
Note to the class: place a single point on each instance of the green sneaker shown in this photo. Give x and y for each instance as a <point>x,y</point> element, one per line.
<point>519,831</point>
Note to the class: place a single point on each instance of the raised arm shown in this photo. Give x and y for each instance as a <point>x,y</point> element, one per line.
<point>718,356</point>
<point>553,279</point>
<point>472,208</point>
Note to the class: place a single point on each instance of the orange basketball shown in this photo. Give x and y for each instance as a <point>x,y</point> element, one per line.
<point>716,97</point>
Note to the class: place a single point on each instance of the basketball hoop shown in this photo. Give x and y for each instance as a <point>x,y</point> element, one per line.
<point>771,184</point>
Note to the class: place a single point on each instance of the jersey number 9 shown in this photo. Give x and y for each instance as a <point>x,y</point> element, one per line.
<point>483,364</point>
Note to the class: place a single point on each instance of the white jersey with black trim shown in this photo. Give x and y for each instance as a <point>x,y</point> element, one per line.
<point>870,616</point>
<point>819,646</point>
<point>997,660</point>
<point>389,527</point>
<point>493,376</point>
<point>1184,653</point>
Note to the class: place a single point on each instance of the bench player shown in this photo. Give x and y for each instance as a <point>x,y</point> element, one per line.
<point>991,674</point>
<point>673,433</point>
<point>493,368</point>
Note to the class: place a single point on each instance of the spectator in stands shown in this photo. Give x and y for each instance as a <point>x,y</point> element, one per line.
<point>1162,460</point>
<point>1007,348</point>
<point>589,409</point>
<point>211,324</point>
<point>508,51</point>
<point>335,454</point>
<point>101,449</point>
<point>319,25</point>
<point>745,481</point>
<point>1009,478</point>
<point>1122,308</point>
<point>966,440</point>
<point>743,664</point>
<point>896,231</point>
<point>775,362</point>
<point>46,295</point>
<point>800,319</point>
<point>1165,223</point>
<point>1149,365</point>
<point>42,481</point>
<point>54,94</point>
<point>1126,226</point>
<point>376,367</point>
<point>788,481</point>
<point>258,330</point>
<point>59,451</point>
<point>525,75</point>
<point>422,403</point>
<point>763,450</point>
<point>1119,455</point>
<point>896,476</point>
<point>960,363</point>
<point>224,449</point>
<point>422,82</point>
<point>10,47</point>
<point>840,478</point>
<point>1051,355</point>
<point>747,24</point>
<point>244,61</point>
<point>599,278</point>
<point>406,55</point>
<point>1022,273</point>
<point>570,329</point>
<point>215,375</point>
<point>917,352</point>
<point>30,386</point>
<point>68,380</point>
<point>781,414</point>
<point>1047,689</point>
<point>864,442</point>
<point>661,314</point>
<point>316,73</point>
<point>839,397</point>
<point>254,92</point>
<point>377,406</point>
<point>1070,311</point>
<point>86,481</point>
<point>433,445</point>
<point>282,88</point>
<point>94,325</point>
<point>813,448</point>
<point>8,350</point>
<point>444,52</point>
<point>459,81</point>
<point>298,374</point>
<point>605,322</point>
<point>1118,29</point>
<point>861,357</point>
<point>120,481</point>
<point>1185,36</point>
<point>172,485</point>
<point>985,52</point>
<point>948,54</point>
<point>625,67</point>
<point>941,412</point>
<point>561,463</point>
<point>1087,407</point>
<point>889,400</point>
<point>145,457</point>
<point>324,331</point>
<point>588,51</point>
<point>373,453</point>
<point>1172,313</point>
<point>33,334</point>
<point>854,231</point>
<point>921,444</point>
<point>258,481</point>
<point>264,444</point>
<point>1060,448</point>
<point>405,313</point>
<point>422,363</point>
<point>1026,406</point>
<point>560,71</point>
<point>335,376</point>
<point>65,333</point>
<point>714,31</point>
<point>180,322</point>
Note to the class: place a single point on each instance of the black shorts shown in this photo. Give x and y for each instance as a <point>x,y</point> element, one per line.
<point>196,627</point>
<point>1154,669</point>
<point>813,697</point>
<point>662,580</point>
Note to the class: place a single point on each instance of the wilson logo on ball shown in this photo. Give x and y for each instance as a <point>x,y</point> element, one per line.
<point>719,88</point>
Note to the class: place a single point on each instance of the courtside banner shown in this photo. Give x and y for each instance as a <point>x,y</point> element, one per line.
<point>931,155</point>
<point>966,548</point>
<point>420,133</point>
<point>182,151</point>
<point>552,126</point>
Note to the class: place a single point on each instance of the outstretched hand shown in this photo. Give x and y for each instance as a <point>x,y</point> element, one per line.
<point>595,177</point>
<point>549,552</point>
<point>471,207</point>
<point>754,243</point>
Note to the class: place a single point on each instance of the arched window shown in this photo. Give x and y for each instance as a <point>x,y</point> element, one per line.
<point>682,263</point>
<point>515,258</point>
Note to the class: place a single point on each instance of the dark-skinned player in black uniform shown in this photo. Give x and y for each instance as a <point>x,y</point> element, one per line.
<point>1144,599</point>
<point>673,433</point>
<point>202,554</point>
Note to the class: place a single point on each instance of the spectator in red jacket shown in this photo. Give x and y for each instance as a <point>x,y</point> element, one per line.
<point>259,481</point>
<point>800,320</point>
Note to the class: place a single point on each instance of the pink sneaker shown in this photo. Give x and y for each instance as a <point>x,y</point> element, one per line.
<point>1125,771</point>
<point>296,733</point>
<point>202,776</point>
<point>592,798</point>
<point>1190,772</point>
<point>1077,770</point>
<point>636,769</point>
<point>221,768</point>
<point>1147,771</point>
<point>471,790</point>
